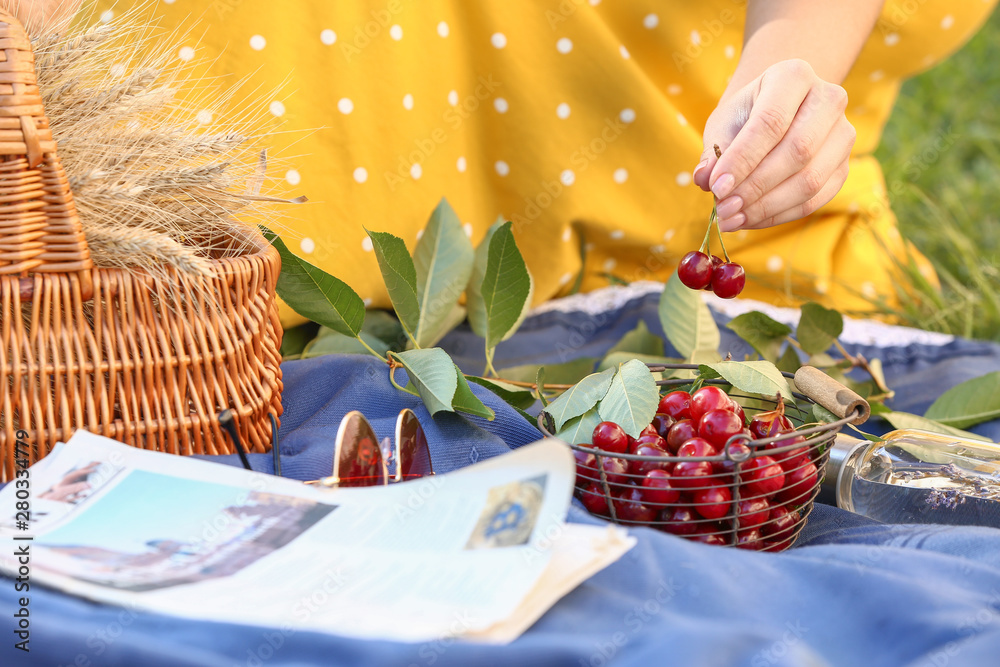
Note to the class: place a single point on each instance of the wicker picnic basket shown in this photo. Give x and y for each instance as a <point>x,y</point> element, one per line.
<point>143,360</point>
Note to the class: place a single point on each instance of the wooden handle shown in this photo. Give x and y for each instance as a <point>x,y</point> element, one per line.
<point>832,395</point>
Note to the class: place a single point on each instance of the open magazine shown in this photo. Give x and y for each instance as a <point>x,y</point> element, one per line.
<point>480,553</point>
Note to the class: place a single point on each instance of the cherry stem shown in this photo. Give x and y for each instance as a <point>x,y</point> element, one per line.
<point>715,219</point>
<point>705,247</point>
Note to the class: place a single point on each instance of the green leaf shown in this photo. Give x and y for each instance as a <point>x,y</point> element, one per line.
<point>640,341</point>
<point>823,415</point>
<point>754,377</point>
<point>632,398</point>
<point>569,372</point>
<point>789,361</point>
<point>970,403</point>
<point>904,420</point>
<point>687,321</point>
<point>466,401</point>
<point>540,386</point>
<point>432,372</point>
<point>580,430</point>
<point>581,397</point>
<point>383,325</point>
<point>315,294</point>
<point>506,286</point>
<point>518,397</point>
<point>818,328</point>
<point>295,339</point>
<point>614,359</point>
<point>443,261</point>
<point>474,292</point>
<point>763,333</point>
<point>329,341</point>
<point>400,278</point>
<point>867,436</point>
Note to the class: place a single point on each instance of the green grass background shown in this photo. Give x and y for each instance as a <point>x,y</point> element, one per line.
<point>948,204</point>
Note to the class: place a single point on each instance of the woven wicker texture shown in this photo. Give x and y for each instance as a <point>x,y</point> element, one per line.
<point>146,361</point>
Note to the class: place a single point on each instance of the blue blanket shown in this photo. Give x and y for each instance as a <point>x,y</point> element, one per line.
<point>853,592</point>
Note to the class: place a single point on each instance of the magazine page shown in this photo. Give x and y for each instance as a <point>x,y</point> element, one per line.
<point>205,540</point>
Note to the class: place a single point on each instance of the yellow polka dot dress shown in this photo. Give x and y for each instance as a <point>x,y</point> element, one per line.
<point>580,120</point>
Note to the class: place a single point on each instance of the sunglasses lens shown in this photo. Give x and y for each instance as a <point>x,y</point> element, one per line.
<point>413,457</point>
<point>358,457</point>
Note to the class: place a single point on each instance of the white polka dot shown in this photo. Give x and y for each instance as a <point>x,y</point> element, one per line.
<point>564,45</point>
<point>853,207</point>
<point>594,3</point>
<point>695,37</point>
<point>617,234</point>
<point>502,167</point>
<point>729,51</point>
<point>868,289</point>
<point>416,171</point>
<point>610,263</point>
<point>589,247</point>
<point>407,101</point>
<point>566,277</point>
<point>775,263</point>
<point>361,174</point>
<point>453,98</point>
<point>567,234</point>
<point>307,245</point>
<point>892,39</point>
<point>328,37</point>
<point>567,177</point>
<point>420,233</point>
<point>658,249</point>
<point>257,42</point>
<point>204,117</point>
<point>627,115</point>
<point>622,50</point>
<point>681,119</point>
<point>683,178</point>
<point>499,40</point>
<point>117,70</point>
<point>443,29</point>
<point>674,89</point>
<point>396,32</point>
<point>947,22</point>
<point>461,164</point>
<point>345,105</point>
<point>366,244</point>
<point>500,104</point>
<point>186,53</point>
<point>651,21</point>
<point>366,301</point>
<point>293,177</point>
<point>467,228</point>
<point>620,175</point>
<point>562,111</point>
<point>876,75</point>
<point>168,2</point>
<point>668,235</point>
<point>277,108</point>
<point>107,15</point>
<point>821,286</point>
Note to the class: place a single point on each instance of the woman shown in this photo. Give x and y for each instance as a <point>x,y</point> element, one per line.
<point>582,121</point>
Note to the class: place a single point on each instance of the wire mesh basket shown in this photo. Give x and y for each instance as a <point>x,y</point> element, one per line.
<point>733,505</point>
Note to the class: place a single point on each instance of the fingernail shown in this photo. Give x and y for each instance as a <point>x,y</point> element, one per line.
<point>701,165</point>
<point>733,223</point>
<point>729,207</point>
<point>723,186</point>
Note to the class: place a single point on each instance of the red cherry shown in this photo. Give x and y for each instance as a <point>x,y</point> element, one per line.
<point>791,459</point>
<point>762,477</point>
<point>677,404</point>
<point>716,261</point>
<point>649,430</point>
<point>679,521</point>
<point>594,500</point>
<point>610,437</point>
<point>707,399</point>
<point>695,270</point>
<point>692,474</point>
<point>710,535</point>
<point>717,426</point>
<point>586,467</point>
<point>658,490</point>
<point>697,447</point>
<point>749,539</point>
<point>662,424</point>
<point>680,433</point>
<point>640,468</point>
<point>615,471</point>
<point>800,483</point>
<point>753,512</point>
<point>629,507</point>
<point>738,410</point>
<point>728,280</point>
<point>762,424</point>
<point>713,502</point>
<point>781,524</point>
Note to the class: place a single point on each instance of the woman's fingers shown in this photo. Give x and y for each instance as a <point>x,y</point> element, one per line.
<point>802,193</point>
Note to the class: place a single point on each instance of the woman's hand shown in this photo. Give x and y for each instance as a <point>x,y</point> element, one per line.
<point>785,146</point>
<point>41,16</point>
